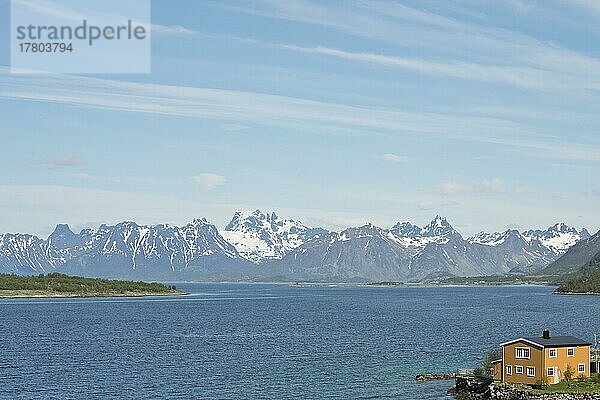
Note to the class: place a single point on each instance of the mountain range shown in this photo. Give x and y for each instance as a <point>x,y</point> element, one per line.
<point>263,246</point>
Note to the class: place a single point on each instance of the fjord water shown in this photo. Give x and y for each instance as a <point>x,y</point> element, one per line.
<point>267,341</point>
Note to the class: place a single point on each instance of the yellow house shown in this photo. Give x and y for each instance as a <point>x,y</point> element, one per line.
<point>542,360</point>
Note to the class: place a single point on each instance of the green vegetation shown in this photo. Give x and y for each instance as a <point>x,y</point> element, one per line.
<point>591,385</point>
<point>568,373</point>
<point>59,285</point>
<point>484,369</point>
<point>586,282</point>
<point>383,284</point>
<point>497,280</point>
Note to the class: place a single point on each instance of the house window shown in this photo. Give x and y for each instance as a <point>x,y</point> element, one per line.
<point>550,371</point>
<point>522,352</point>
<point>581,368</point>
<point>518,369</point>
<point>530,371</point>
<point>509,370</point>
<point>571,352</point>
<point>552,353</point>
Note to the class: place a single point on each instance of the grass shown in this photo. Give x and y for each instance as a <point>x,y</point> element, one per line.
<point>591,385</point>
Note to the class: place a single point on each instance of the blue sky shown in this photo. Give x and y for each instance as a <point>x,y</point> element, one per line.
<point>336,113</point>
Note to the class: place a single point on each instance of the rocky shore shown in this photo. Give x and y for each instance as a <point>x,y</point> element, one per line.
<point>474,389</point>
<point>435,377</point>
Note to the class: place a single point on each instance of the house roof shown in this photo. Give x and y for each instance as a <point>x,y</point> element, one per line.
<point>554,341</point>
<point>559,341</point>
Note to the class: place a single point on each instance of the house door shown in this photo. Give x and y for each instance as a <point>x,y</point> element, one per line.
<point>553,375</point>
<point>556,376</point>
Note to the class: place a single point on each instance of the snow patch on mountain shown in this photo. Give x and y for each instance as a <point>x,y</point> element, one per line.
<point>438,231</point>
<point>258,236</point>
<point>556,239</point>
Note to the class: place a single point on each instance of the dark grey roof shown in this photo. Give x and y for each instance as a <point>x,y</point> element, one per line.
<point>559,341</point>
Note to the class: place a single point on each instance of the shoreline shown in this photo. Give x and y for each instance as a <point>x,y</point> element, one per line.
<point>86,295</point>
<point>578,294</point>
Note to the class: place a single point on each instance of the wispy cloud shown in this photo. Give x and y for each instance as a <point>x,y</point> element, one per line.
<point>587,5</point>
<point>79,175</point>
<point>520,76</point>
<point>282,111</point>
<point>172,30</point>
<point>463,49</point>
<point>234,127</point>
<point>394,157</point>
<point>68,161</point>
<point>208,181</point>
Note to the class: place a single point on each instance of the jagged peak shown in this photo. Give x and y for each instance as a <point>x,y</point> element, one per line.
<point>561,227</point>
<point>368,229</point>
<point>257,219</point>
<point>439,226</point>
<point>62,229</point>
<point>406,229</point>
<point>199,222</point>
<point>127,224</point>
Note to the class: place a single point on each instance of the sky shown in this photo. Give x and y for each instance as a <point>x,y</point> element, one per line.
<point>335,113</point>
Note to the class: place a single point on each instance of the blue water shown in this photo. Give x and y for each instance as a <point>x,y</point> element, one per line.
<point>263,341</point>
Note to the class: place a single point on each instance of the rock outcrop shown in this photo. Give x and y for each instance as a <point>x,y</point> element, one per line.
<point>472,388</point>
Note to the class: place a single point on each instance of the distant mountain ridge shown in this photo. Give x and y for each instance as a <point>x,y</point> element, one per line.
<point>262,246</point>
<point>122,250</point>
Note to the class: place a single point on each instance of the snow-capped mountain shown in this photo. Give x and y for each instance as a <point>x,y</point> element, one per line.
<point>585,252</point>
<point>438,231</point>
<point>408,252</point>
<point>119,250</point>
<point>366,253</point>
<point>406,229</point>
<point>558,237</point>
<point>404,252</point>
<point>255,245</point>
<point>259,237</point>
<point>23,254</point>
<point>439,227</point>
<point>531,250</point>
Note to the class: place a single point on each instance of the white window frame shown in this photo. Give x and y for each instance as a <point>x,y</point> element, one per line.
<point>509,370</point>
<point>525,349</point>
<point>530,368</point>
<point>550,353</point>
<point>548,371</point>
<point>579,368</point>
<point>517,368</point>
<point>571,349</point>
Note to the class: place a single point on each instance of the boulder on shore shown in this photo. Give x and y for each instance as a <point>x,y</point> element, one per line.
<point>467,388</point>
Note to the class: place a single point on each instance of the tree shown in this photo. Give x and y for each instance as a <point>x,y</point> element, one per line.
<point>568,373</point>
<point>486,363</point>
